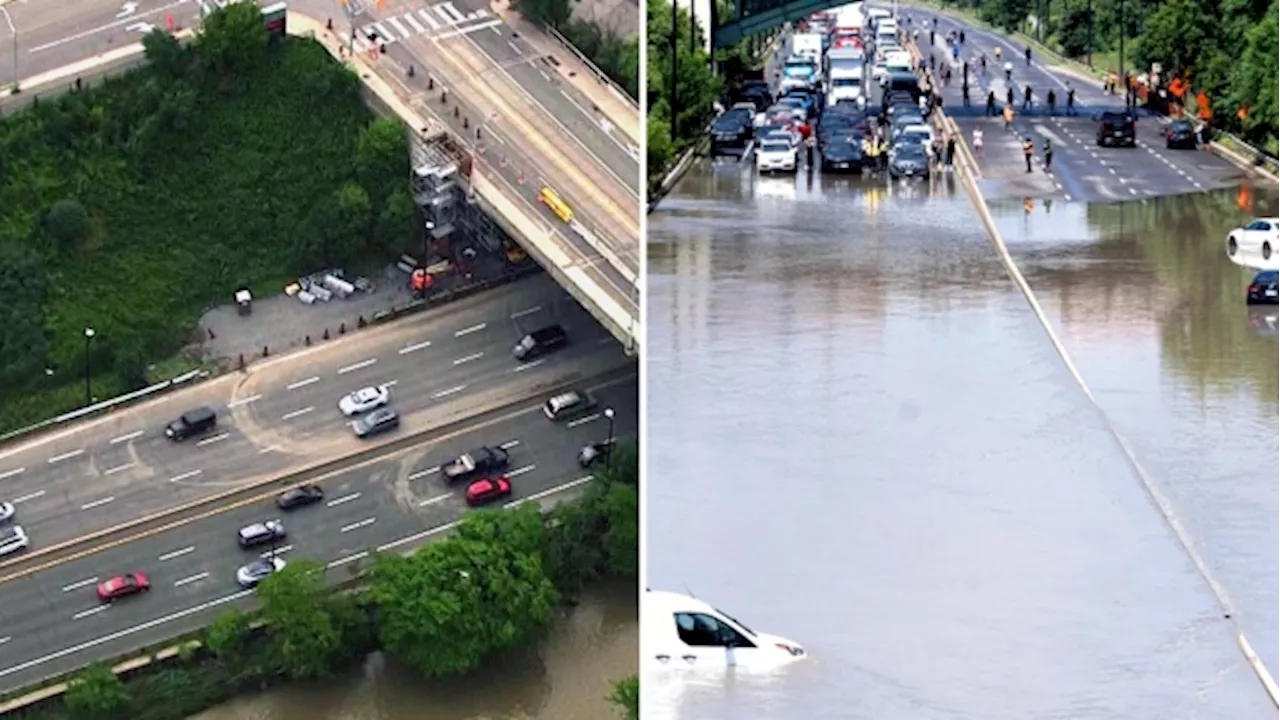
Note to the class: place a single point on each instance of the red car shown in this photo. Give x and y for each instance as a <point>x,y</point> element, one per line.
<point>123,586</point>
<point>486,490</point>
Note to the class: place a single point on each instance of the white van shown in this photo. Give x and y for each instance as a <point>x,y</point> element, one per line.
<point>680,632</point>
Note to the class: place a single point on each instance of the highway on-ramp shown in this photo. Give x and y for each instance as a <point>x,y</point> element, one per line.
<point>282,414</point>
<point>52,622</point>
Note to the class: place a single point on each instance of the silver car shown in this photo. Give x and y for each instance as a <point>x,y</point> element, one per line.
<point>261,533</point>
<point>13,539</point>
<point>378,421</point>
<point>255,572</point>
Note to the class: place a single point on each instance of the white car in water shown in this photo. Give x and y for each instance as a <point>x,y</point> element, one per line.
<point>776,154</point>
<point>681,632</point>
<point>364,400</point>
<point>1259,237</point>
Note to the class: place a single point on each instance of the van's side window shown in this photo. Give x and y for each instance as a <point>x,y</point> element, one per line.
<point>699,630</point>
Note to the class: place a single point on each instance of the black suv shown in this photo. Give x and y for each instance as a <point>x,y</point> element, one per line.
<point>731,131</point>
<point>1116,128</point>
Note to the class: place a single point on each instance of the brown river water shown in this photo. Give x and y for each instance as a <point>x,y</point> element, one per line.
<point>567,677</point>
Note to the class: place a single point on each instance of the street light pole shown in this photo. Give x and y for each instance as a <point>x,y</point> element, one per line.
<point>88,387</point>
<point>608,443</point>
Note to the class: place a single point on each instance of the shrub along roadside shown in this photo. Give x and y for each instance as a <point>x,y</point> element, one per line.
<point>626,697</point>
<point>133,206</point>
<point>443,610</point>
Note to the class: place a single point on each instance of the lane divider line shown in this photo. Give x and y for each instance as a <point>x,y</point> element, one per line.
<point>423,473</point>
<point>450,391</point>
<point>98,503</point>
<point>303,383</point>
<point>125,438</point>
<point>343,499</point>
<point>297,413</point>
<point>416,346</point>
<point>185,476</point>
<point>188,580</point>
<point>520,471</point>
<point>522,313</point>
<point>28,496</point>
<point>358,366</point>
<point>278,551</point>
<point>509,444</point>
<point>529,365</point>
<point>473,328</point>
<point>214,439</point>
<point>92,611</point>
<point>11,473</point>
<point>434,500</point>
<point>583,420</point>
<point>467,359</point>
<point>1163,505</point>
<point>243,401</point>
<point>66,456</point>
<point>80,584</point>
<point>357,525</point>
<point>177,553</point>
<point>118,468</point>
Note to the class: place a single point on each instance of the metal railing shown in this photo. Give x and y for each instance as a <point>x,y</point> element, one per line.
<point>600,74</point>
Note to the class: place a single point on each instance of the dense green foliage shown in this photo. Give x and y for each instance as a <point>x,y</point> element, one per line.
<point>1227,48</point>
<point>490,586</point>
<point>451,604</point>
<point>617,57</point>
<point>133,206</point>
<point>696,88</point>
<point>626,697</point>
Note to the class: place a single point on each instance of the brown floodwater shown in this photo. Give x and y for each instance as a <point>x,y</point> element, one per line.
<point>568,676</point>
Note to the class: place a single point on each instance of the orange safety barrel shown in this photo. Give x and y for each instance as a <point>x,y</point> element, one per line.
<point>557,205</point>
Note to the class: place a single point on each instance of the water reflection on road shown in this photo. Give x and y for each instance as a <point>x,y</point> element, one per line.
<point>861,438</point>
<point>1153,313</point>
<point>569,678</point>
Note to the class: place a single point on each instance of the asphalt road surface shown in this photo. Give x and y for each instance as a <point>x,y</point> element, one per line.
<point>282,415</point>
<point>1081,169</point>
<point>52,621</point>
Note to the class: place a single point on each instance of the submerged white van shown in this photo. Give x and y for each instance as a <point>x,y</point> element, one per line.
<point>682,632</point>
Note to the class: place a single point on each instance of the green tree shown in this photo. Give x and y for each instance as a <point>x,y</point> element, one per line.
<point>68,223</point>
<point>1254,81</point>
<point>356,212</point>
<point>96,693</point>
<point>303,634</point>
<point>227,634</point>
<point>165,53</point>
<point>233,38</point>
<point>395,223</point>
<point>621,510</point>
<point>626,697</point>
<point>660,149</point>
<point>24,348</point>
<point>547,12</point>
<point>382,159</point>
<point>696,87</point>
<point>445,608</point>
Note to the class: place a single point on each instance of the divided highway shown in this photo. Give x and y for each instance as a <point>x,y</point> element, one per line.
<point>1082,170</point>
<point>282,414</point>
<point>52,622</point>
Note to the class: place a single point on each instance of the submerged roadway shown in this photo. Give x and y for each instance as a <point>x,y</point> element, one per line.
<point>1000,554</point>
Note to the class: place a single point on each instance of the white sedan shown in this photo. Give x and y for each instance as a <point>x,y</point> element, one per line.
<point>364,400</point>
<point>1258,237</point>
<point>776,155</point>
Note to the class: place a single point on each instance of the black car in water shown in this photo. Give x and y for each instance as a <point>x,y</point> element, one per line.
<point>1263,289</point>
<point>1180,134</point>
<point>1117,128</point>
<point>731,131</point>
<point>908,161</point>
<point>842,154</point>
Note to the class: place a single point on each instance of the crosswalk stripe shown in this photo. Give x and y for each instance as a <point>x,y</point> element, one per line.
<point>443,15</point>
<point>383,35</point>
<point>404,31</point>
<point>452,12</point>
<point>430,20</point>
<point>408,17</point>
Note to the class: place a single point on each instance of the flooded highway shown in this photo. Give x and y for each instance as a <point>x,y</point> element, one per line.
<point>864,440</point>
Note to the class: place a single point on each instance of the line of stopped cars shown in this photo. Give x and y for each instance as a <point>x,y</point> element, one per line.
<point>820,93</point>
<point>484,470</point>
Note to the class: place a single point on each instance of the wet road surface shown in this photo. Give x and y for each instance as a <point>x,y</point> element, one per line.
<point>864,441</point>
<point>1083,171</point>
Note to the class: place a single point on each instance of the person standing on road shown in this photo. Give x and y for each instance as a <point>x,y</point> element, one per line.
<point>1028,150</point>
<point>964,71</point>
<point>961,37</point>
<point>964,93</point>
<point>931,39</point>
<point>983,60</point>
<point>1071,99</point>
<point>991,103</point>
<point>1008,96</point>
<point>1026,98</point>
<point>950,152</point>
<point>1008,116</point>
<point>882,154</point>
<point>1051,99</point>
<point>1028,54</point>
<point>1048,156</point>
<point>977,142</point>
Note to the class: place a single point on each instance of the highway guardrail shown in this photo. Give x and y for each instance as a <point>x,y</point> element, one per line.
<point>174,517</point>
